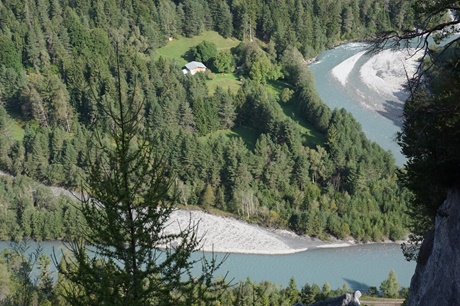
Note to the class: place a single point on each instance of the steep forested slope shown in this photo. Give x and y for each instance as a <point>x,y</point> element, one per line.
<point>57,63</point>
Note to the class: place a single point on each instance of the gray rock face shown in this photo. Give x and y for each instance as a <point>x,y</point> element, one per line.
<point>436,280</point>
<point>344,300</point>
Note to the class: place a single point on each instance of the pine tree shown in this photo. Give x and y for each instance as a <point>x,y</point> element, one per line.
<point>208,198</point>
<point>224,23</point>
<point>121,259</point>
<point>8,54</point>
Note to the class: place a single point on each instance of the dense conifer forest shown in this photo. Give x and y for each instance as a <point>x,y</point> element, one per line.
<point>233,150</point>
<point>250,137</point>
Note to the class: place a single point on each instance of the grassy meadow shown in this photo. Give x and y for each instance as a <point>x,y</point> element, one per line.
<point>177,49</point>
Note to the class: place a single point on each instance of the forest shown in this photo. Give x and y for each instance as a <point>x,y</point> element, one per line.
<point>231,150</point>
<point>262,147</point>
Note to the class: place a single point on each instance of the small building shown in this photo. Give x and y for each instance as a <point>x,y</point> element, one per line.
<point>194,67</point>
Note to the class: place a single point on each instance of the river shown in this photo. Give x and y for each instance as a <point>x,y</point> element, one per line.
<point>358,266</point>
<point>369,87</point>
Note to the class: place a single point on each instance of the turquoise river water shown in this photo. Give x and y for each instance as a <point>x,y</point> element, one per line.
<point>358,266</point>
<point>356,88</point>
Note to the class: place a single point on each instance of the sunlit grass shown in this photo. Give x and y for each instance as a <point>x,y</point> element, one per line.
<point>248,135</point>
<point>311,136</point>
<point>178,47</point>
<point>16,129</point>
<point>276,87</point>
<point>226,81</point>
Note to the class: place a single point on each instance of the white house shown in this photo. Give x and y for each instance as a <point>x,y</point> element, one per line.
<point>194,67</point>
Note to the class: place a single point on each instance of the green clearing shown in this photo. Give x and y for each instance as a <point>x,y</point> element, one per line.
<point>226,81</point>
<point>248,135</point>
<point>16,128</point>
<point>311,136</point>
<point>178,47</point>
<point>276,87</point>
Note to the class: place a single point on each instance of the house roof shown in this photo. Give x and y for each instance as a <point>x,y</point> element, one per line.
<point>194,65</point>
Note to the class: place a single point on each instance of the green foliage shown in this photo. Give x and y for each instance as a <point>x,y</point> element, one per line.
<point>46,100</point>
<point>195,14</point>
<point>430,140</point>
<point>306,98</point>
<point>390,287</point>
<point>284,159</point>
<point>78,33</point>
<point>126,210</point>
<point>372,291</point>
<point>255,63</point>
<point>204,52</point>
<point>224,62</point>
<point>267,293</point>
<point>19,286</point>
<point>429,137</point>
<point>263,70</point>
<point>9,57</point>
<point>32,211</point>
<point>56,59</point>
<point>11,85</point>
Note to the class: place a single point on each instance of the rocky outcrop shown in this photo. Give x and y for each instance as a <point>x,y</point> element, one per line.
<point>344,300</point>
<point>436,280</point>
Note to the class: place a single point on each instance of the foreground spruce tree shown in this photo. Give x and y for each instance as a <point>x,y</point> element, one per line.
<point>124,256</point>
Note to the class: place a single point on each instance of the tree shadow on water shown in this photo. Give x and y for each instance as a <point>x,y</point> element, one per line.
<point>355,285</point>
<point>393,111</point>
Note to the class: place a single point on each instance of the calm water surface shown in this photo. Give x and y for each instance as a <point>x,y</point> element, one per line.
<point>358,266</point>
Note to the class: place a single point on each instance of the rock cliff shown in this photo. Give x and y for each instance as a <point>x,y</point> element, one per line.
<point>436,280</point>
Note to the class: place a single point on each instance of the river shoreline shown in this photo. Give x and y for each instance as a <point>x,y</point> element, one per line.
<point>230,235</point>
<point>227,234</point>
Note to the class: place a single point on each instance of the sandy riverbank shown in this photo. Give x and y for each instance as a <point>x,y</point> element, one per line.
<point>389,70</point>
<point>229,235</point>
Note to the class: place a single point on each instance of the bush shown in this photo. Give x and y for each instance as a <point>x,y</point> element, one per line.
<point>204,52</point>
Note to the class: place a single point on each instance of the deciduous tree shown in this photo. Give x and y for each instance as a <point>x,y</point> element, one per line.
<point>390,287</point>
<point>224,62</point>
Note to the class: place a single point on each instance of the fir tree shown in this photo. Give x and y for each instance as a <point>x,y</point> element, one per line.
<point>125,257</point>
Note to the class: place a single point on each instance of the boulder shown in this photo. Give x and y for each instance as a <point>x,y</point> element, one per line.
<point>344,300</point>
